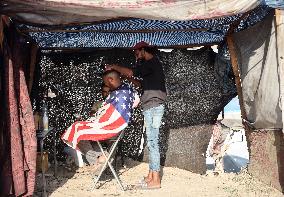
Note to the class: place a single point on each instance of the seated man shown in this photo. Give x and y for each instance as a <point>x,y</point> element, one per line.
<point>112,117</point>
<point>89,150</point>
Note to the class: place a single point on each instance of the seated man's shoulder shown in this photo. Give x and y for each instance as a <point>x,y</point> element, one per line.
<point>125,87</point>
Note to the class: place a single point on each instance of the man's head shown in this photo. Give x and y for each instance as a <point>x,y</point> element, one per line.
<point>144,51</point>
<point>111,79</point>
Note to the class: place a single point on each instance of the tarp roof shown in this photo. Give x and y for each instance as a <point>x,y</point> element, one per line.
<point>59,12</point>
<point>122,23</point>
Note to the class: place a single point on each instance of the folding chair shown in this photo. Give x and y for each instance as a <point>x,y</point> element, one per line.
<point>109,160</point>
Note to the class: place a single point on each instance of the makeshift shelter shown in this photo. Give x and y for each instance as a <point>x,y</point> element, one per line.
<point>55,27</point>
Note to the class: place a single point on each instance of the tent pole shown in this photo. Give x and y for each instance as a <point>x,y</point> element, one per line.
<point>236,71</point>
<point>113,31</point>
<point>66,49</point>
<point>236,68</point>
<point>279,14</point>
<point>34,50</point>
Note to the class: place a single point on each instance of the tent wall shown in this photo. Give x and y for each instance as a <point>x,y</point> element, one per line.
<point>259,67</point>
<point>261,58</point>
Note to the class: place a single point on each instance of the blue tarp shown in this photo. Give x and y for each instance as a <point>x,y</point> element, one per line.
<point>274,3</point>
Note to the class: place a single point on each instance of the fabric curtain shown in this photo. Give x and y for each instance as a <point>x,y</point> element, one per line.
<point>17,172</point>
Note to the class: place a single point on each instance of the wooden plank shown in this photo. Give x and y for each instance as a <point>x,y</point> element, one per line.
<point>236,71</point>
<point>279,14</point>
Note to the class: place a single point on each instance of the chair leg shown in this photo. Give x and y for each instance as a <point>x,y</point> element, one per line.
<point>104,166</point>
<point>108,162</point>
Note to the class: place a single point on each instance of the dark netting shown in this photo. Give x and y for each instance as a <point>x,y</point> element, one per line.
<point>194,94</point>
<point>224,73</point>
<point>120,33</point>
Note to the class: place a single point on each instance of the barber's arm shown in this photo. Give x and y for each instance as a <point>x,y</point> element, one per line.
<point>135,82</point>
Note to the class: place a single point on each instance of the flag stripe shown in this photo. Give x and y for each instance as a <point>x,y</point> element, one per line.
<point>107,114</point>
<point>115,124</point>
<point>95,137</point>
<point>73,129</point>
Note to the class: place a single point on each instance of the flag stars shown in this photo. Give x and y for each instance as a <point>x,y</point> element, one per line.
<point>124,91</point>
<point>129,114</point>
<point>129,105</point>
<point>116,92</point>
<point>116,99</point>
<point>123,106</point>
<point>124,97</point>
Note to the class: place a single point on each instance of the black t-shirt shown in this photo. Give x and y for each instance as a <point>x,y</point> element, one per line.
<point>153,83</point>
<point>152,73</point>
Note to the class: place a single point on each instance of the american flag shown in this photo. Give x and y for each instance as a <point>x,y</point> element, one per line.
<point>110,119</point>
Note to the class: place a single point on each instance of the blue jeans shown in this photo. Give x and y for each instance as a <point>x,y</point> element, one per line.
<point>153,119</point>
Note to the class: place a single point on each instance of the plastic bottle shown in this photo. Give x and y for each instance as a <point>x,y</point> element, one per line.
<point>44,116</point>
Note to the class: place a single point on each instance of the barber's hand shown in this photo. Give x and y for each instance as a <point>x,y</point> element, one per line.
<point>109,67</point>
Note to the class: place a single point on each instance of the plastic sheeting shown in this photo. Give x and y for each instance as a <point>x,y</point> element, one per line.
<point>56,12</point>
<point>258,56</point>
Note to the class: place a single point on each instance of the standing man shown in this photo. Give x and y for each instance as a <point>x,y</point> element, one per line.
<point>153,99</point>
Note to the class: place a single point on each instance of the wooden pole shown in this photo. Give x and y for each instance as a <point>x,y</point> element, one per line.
<point>4,22</point>
<point>114,31</point>
<point>1,33</point>
<point>236,71</point>
<point>129,48</point>
<point>235,66</point>
<point>279,14</point>
<point>33,55</point>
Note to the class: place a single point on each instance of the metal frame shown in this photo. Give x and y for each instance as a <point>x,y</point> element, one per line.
<point>109,162</point>
<point>42,136</point>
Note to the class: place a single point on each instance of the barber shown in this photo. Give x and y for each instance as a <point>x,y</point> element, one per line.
<point>153,98</point>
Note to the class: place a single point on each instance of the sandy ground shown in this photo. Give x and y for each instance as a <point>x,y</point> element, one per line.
<point>175,182</point>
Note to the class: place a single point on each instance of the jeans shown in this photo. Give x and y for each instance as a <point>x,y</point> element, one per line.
<point>153,119</point>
